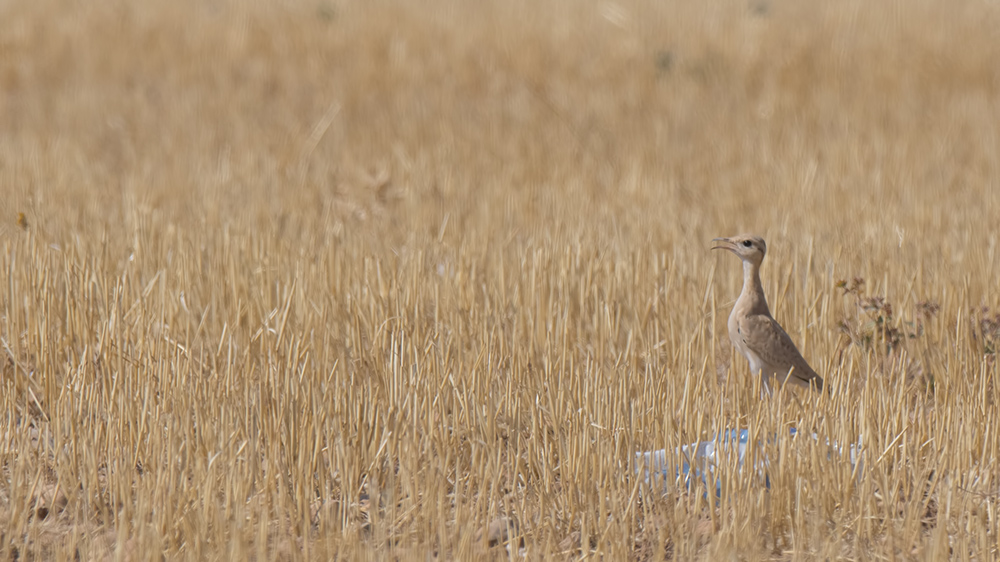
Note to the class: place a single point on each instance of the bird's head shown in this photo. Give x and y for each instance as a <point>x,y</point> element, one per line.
<point>748,247</point>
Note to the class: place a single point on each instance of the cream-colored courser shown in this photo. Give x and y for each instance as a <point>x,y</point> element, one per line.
<point>752,329</point>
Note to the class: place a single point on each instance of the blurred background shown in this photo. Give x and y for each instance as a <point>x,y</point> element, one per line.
<point>870,122</point>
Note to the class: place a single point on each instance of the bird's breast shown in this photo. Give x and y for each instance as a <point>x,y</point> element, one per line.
<point>736,336</point>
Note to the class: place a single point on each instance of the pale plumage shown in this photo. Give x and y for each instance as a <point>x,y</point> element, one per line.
<point>752,329</point>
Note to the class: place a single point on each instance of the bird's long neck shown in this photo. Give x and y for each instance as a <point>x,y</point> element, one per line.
<point>753,292</point>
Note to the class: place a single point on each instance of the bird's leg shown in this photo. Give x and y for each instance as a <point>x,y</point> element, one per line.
<point>765,386</point>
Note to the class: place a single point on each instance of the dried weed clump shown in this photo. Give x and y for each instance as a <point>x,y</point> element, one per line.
<point>986,330</point>
<point>399,280</point>
<point>877,330</point>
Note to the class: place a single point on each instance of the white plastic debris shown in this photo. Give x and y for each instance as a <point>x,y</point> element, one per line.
<point>704,460</point>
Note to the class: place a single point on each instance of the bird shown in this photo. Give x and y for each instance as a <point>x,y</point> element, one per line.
<point>754,332</point>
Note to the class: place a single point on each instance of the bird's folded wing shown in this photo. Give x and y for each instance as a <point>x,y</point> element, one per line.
<point>766,338</point>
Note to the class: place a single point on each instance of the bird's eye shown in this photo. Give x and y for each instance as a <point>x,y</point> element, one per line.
<point>747,243</point>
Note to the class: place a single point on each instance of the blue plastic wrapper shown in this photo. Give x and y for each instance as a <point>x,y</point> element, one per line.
<point>704,460</point>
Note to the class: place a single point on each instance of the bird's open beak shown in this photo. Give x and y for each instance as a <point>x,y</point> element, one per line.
<point>723,244</point>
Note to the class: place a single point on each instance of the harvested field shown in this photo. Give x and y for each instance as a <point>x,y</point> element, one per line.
<point>401,280</point>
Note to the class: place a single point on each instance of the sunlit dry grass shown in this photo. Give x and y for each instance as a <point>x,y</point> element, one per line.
<point>376,280</point>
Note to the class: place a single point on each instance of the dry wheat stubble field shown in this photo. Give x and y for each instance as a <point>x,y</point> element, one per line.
<point>379,280</point>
